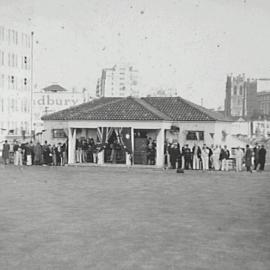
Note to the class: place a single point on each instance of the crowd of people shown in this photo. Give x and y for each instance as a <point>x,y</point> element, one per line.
<point>214,158</point>
<point>196,158</point>
<point>30,153</point>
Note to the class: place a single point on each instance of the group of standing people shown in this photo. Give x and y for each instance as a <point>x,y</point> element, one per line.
<point>86,150</point>
<point>197,158</point>
<point>213,158</point>
<point>35,153</point>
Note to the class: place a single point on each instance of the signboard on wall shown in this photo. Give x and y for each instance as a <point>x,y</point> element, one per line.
<point>45,103</point>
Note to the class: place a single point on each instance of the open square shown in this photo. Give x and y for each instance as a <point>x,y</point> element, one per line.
<point>120,218</point>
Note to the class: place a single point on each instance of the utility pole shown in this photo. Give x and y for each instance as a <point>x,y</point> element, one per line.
<point>32,83</point>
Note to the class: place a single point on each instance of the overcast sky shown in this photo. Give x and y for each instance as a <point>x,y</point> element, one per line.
<point>187,44</point>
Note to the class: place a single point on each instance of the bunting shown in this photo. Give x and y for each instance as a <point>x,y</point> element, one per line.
<point>103,135</point>
<point>123,137</point>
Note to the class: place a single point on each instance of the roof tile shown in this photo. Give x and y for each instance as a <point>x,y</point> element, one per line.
<point>144,109</point>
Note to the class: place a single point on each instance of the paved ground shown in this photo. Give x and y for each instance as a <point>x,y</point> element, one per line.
<point>100,218</point>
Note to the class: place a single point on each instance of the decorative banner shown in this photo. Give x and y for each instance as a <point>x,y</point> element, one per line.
<point>103,134</point>
<point>124,138</point>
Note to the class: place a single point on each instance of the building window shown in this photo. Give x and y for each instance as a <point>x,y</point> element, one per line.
<point>2,58</point>
<point>58,133</point>
<point>2,105</point>
<point>239,101</point>
<point>241,90</point>
<point>2,81</point>
<point>235,90</point>
<point>195,136</point>
<point>2,33</point>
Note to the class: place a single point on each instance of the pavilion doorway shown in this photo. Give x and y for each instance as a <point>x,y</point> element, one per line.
<point>114,152</point>
<point>145,146</point>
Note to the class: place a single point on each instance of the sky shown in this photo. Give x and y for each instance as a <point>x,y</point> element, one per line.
<point>191,45</point>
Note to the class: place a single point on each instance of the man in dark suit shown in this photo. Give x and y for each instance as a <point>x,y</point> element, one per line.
<point>261,161</point>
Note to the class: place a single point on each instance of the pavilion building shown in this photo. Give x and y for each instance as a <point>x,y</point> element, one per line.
<point>133,120</point>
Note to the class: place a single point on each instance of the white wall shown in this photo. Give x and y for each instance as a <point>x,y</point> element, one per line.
<point>229,140</point>
<point>242,128</point>
<point>49,126</point>
<point>88,130</point>
<point>207,127</point>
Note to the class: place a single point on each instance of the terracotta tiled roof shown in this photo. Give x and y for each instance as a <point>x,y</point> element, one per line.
<point>144,109</point>
<point>179,109</point>
<point>106,109</point>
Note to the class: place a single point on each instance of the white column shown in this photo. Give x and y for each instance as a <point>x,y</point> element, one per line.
<point>100,156</point>
<point>71,145</point>
<point>128,161</point>
<point>132,145</point>
<point>160,148</point>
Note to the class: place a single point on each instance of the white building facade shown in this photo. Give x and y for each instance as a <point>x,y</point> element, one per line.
<point>15,83</point>
<point>52,99</point>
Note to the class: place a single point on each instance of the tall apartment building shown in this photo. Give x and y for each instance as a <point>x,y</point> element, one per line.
<point>118,81</point>
<point>15,82</point>
<point>241,97</point>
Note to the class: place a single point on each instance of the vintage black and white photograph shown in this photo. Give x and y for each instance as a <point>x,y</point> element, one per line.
<point>134,134</point>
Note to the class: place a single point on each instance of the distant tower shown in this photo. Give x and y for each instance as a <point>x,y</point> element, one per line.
<point>241,96</point>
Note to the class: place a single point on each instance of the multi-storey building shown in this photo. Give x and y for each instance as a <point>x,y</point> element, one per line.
<point>164,92</point>
<point>264,102</point>
<point>118,81</point>
<point>15,83</point>
<point>241,97</point>
<point>263,96</point>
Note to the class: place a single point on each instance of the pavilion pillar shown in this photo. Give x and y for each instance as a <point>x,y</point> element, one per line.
<point>132,146</point>
<point>128,160</point>
<point>160,148</point>
<point>100,157</point>
<point>71,145</point>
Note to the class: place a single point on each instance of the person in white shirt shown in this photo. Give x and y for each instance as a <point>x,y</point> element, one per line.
<point>205,158</point>
<point>216,155</point>
<point>239,154</point>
